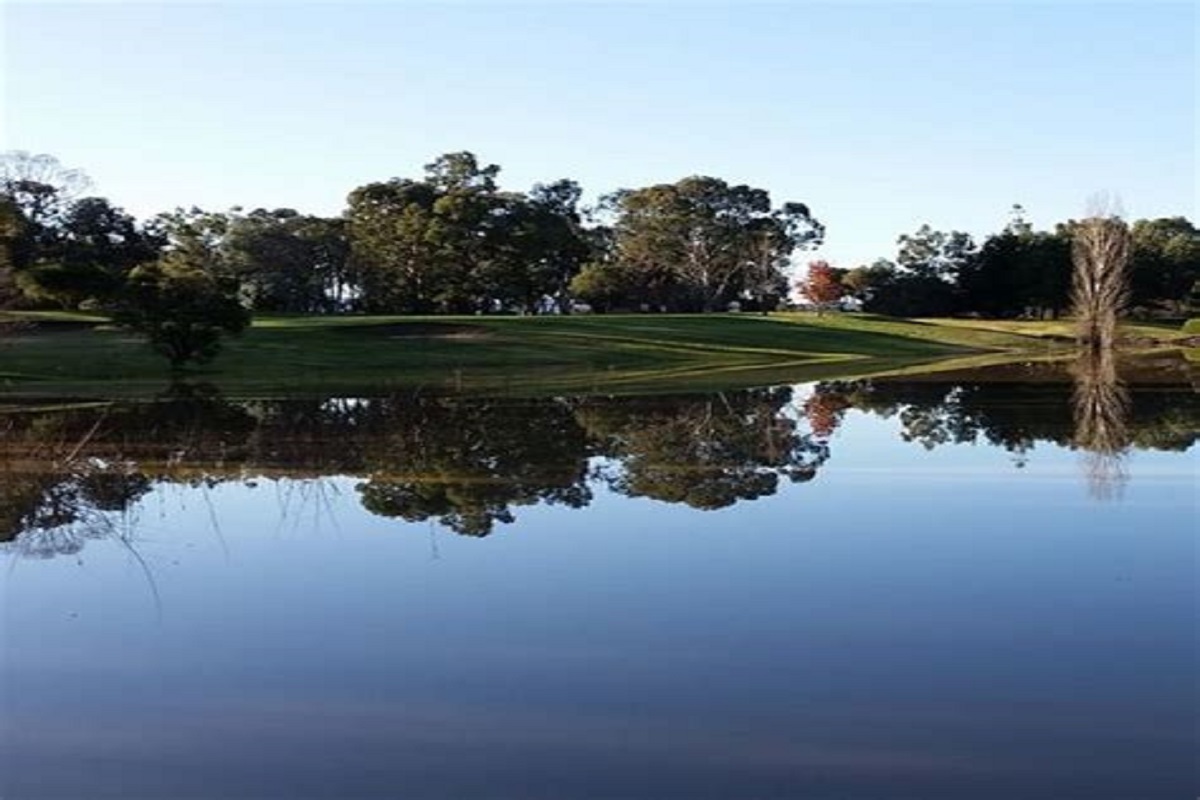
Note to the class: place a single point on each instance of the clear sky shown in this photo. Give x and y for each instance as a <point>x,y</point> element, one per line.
<point>880,116</point>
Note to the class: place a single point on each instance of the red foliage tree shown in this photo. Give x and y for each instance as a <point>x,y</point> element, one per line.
<point>822,285</point>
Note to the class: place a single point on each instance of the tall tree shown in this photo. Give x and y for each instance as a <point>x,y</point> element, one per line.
<point>935,254</point>
<point>1018,271</point>
<point>287,261</point>
<point>1100,249</point>
<point>923,281</point>
<point>454,242</point>
<point>387,225</point>
<point>701,243</point>
<point>94,247</point>
<point>1164,263</point>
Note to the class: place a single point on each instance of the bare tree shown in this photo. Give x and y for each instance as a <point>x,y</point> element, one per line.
<point>1100,285</point>
<point>38,183</point>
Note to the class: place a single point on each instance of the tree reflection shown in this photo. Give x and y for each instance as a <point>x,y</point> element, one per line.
<point>466,464</point>
<point>1086,407</point>
<point>68,475</point>
<point>1101,405</point>
<point>705,451</point>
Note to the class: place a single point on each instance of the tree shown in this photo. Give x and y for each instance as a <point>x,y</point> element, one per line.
<point>606,286</point>
<point>285,261</point>
<point>39,184</point>
<point>822,285</point>
<point>94,247</point>
<point>1018,272</point>
<point>935,254</point>
<point>387,224</point>
<point>556,243</point>
<point>182,308</point>
<point>453,242</point>
<point>1164,263</point>
<point>701,243</point>
<point>13,249</point>
<point>70,250</point>
<point>923,280</point>
<point>865,281</point>
<point>898,293</point>
<point>1100,249</point>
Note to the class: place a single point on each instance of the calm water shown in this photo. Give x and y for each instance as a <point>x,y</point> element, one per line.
<point>979,586</point>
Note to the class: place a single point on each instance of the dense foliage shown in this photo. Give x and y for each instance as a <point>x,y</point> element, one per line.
<point>454,241</point>
<point>696,245</point>
<point>181,309</point>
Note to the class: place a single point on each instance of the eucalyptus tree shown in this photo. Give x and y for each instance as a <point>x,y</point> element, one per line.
<point>93,248</point>
<point>454,242</point>
<point>929,253</point>
<point>287,261</point>
<point>1018,271</point>
<point>1164,263</point>
<point>924,278</point>
<point>60,247</point>
<point>701,243</point>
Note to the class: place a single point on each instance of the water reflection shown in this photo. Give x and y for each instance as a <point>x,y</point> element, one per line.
<point>74,474</point>
<point>1102,406</point>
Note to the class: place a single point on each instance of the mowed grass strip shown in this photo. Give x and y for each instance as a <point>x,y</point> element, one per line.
<point>79,353</point>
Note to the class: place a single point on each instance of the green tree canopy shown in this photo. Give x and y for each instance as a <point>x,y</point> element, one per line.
<point>700,243</point>
<point>1165,263</point>
<point>454,242</point>
<point>181,307</point>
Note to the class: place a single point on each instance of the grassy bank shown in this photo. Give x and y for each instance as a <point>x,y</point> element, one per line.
<point>75,354</point>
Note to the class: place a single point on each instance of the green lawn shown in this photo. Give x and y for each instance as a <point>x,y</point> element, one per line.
<point>78,354</point>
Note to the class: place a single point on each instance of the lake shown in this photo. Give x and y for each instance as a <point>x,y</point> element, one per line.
<point>964,584</point>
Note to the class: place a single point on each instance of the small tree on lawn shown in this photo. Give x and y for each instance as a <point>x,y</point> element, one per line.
<point>822,285</point>
<point>181,309</point>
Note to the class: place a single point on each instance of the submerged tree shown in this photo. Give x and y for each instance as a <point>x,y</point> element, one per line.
<point>1100,284</point>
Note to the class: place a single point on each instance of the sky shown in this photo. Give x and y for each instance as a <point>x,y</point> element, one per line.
<point>880,116</point>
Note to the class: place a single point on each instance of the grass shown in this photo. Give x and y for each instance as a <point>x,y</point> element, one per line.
<point>55,354</point>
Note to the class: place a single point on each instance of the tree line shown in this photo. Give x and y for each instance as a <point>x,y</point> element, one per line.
<point>1016,272</point>
<point>452,241</point>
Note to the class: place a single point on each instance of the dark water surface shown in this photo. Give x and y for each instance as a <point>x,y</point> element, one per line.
<point>975,586</point>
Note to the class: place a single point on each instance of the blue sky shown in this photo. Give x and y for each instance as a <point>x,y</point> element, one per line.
<point>880,116</point>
